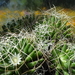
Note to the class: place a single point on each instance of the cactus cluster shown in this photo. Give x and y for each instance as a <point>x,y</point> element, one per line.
<point>46,39</point>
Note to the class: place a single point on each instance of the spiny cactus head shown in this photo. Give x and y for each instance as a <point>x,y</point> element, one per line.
<point>27,22</point>
<point>18,55</point>
<point>53,28</point>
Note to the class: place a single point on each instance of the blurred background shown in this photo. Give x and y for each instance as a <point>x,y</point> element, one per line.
<point>35,4</point>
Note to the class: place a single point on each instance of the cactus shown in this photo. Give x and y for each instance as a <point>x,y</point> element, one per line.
<point>19,56</point>
<point>26,22</point>
<point>52,28</point>
<point>50,31</point>
<point>62,59</point>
